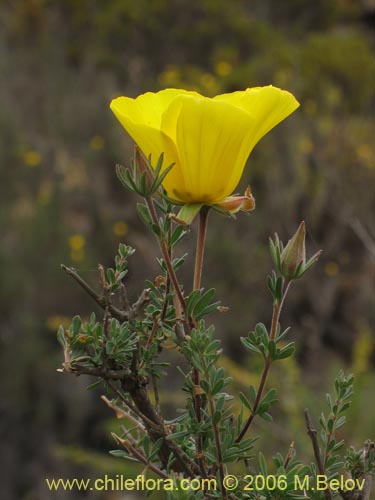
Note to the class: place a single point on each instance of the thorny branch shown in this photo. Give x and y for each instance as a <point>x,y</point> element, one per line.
<point>104,302</point>
<point>142,407</point>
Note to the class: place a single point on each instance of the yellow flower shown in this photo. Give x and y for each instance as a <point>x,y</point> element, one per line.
<point>120,228</point>
<point>77,242</point>
<point>208,139</point>
<point>32,158</point>
<point>97,143</point>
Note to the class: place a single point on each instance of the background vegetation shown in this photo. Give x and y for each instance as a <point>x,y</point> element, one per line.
<point>61,63</point>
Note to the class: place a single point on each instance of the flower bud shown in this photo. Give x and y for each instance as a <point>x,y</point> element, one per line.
<point>293,257</point>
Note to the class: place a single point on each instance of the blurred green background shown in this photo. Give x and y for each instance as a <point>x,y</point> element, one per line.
<point>61,64</point>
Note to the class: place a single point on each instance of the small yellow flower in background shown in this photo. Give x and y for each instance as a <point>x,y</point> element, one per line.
<point>32,158</point>
<point>207,139</point>
<point>223,68</point>
<point>305,145</point>
<point>363,350</point>
<point>120,228</point>
<point>209,83</point>
<point>331,269</point>
<point>170,76</point>
<point>77,247</point>
<point>97,143</point>
<point>53,322</point>
<point>77,242</point>
<point>366,154</point>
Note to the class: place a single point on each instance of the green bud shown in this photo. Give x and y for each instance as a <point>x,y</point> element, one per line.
<point>293,257</point>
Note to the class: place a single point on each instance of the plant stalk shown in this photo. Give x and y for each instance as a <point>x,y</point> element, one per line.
<point>201,240</point>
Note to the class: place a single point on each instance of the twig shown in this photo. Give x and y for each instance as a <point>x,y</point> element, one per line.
<point>182,456</point>
<point>139,303</point>
<point>152,334</point>
<point>103,302</point>
<point>156,393</point>
<point>141,458</point>
<point>121,413</point>
<point>289,455</point>
<point>148,422</point>
<point>99,371</point>
<point>311,431</point>
<point>154,425</point>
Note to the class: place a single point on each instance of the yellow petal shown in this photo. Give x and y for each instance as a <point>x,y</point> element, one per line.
<point>268,106</point>
<point>144,130</point>
<point>210,137</point>
<point>147,109</point>
<point>141,118</point>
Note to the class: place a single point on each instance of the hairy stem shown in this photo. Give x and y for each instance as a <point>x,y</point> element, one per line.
<point>277,307</point>
<point>201,240</point>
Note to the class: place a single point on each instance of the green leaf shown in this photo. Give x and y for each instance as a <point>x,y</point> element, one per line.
<point>111,276</point>
<point>125,178</point>
<point>216,417</point>
<point>144,214</point>
<point>262,464</point>
<point>177,235</point>
<point>156,184</point>
<point>245,401</point>
<point>94,385</point>
<point>281,335</point>
<point>203,301</point>
<point>262,332</point>
<point>253,393</point>
<point>286,351</point>
<point>249,345</point>
<point>158,166</point>
<point>272,349</point>
<point>270,396</point>
<point>61,337</point>
<point>76,325</point>
<point>266,416</point>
